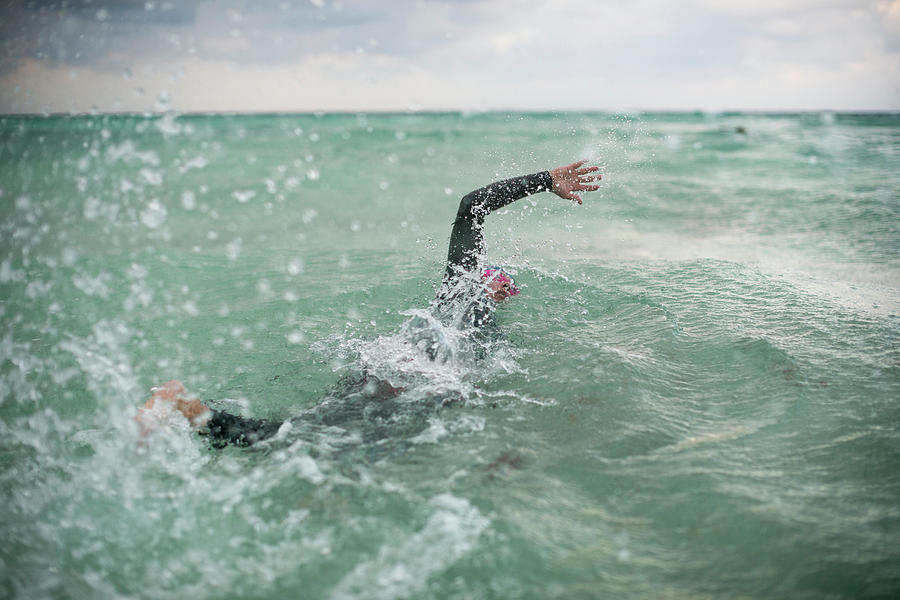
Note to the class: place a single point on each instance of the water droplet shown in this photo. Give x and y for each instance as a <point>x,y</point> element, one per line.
<point>243,196</point>
<point>154,214</point>
<point>295,267</point>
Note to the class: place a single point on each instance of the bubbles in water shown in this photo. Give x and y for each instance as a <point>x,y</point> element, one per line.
<point>69,256</point>
<point>295,266</point>
<point>152,177</point>
<point>198,162</point>
<point>264,288</point>
<point>154,215</point>
<point>188,200</point>
<point>128,152</point>
<point>403,566</point>
<point>233,248</point>
<point>93,286</point>
<point>243,196</point>
<point>167,124</point>
<point>92,208</point>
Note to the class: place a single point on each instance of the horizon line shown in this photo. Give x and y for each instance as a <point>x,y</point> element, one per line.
<point>644,111</point>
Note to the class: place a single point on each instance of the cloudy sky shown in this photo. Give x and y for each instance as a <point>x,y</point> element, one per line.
<point>367,55</point>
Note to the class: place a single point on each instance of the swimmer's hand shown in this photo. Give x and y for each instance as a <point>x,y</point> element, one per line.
<point>167,398</point>
<point>574,178</point>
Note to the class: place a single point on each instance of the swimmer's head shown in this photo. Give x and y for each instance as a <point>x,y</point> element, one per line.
<point>498,284</point>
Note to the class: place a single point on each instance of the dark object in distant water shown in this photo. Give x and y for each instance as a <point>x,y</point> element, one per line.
<point>508,460</point>
<point>740,129</point>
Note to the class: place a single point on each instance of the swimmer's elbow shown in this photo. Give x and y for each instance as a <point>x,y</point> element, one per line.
<point>471,207</point>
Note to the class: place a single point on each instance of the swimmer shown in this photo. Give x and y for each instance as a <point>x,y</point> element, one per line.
<point>467,236</point>
<point>479,295</point>
<point>459,293</point>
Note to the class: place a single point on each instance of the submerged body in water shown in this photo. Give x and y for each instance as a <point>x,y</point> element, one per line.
<point>464,306</point>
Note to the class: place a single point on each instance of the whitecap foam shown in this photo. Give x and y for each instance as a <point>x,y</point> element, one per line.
<point>403,566</point>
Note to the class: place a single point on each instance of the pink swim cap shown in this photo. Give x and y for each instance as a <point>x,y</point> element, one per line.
<point>498,274</point>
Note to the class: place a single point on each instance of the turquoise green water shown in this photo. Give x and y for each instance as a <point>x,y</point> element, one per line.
<point>695,396</point>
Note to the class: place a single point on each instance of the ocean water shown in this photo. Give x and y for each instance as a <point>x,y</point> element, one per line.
<point>695,396</point>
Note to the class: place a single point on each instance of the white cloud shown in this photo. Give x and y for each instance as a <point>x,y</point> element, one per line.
<point>477,54</point>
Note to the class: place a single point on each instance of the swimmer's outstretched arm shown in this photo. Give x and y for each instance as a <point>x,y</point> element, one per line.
<point>467,239</point>
<point>222,428</point>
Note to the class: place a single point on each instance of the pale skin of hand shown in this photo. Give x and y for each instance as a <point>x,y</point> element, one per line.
<point>570,179</point>
<point>170,395</point>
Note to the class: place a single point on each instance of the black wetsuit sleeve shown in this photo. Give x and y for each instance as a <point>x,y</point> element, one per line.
<point>223,429</point>
<point>467,238</point>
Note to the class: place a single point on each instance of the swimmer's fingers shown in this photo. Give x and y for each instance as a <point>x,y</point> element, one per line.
<point>577,168</point>
<point>579,187</point>
<point>585,183</point>
<point>574,178</point>
<point>569,195</point>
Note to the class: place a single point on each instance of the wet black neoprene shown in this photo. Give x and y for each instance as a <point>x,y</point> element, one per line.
<point>467,236</point>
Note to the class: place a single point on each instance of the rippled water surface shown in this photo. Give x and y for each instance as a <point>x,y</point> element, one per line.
<point>695,396</point>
